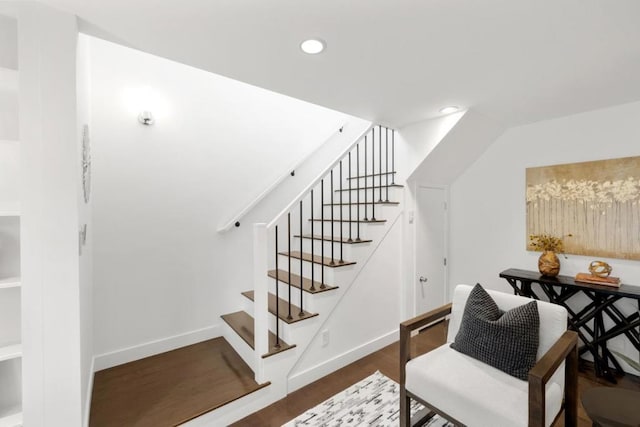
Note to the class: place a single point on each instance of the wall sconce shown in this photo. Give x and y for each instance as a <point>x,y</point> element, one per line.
<point>145,103</point>
<point>146,118</point>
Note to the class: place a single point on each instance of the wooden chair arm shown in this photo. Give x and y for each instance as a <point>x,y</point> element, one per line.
<point>426,318</point>
<point>565,348</point>
<point>411,325</point>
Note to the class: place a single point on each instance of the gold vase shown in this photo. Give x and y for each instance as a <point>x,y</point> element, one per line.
<point>549,264</point>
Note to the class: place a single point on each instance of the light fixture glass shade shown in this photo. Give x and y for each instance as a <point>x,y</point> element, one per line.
<point>312,46</point>
<point>146,118</point>
<point>450,109</point>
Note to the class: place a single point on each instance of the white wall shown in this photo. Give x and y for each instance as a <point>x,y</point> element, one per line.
<point>49,221</point>
<point>434,153</point>
<point>160,268</point>
<point>488,232</point>
<point>8,103</point>
<point>365,319</point>
<point>83,84</point>
<point>8,42</point>
<point>8,75</point>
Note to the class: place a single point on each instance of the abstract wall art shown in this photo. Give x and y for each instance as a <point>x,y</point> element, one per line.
<point>594,206</point>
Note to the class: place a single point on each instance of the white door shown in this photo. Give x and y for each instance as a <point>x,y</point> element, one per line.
<point>431,220</point>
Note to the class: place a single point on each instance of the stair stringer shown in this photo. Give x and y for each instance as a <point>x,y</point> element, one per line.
<point>303,333</point>
<point>277,368</point>
<point>301,379</point>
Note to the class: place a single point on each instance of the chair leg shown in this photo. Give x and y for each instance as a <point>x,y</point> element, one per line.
<point>405,408</point>
<point>571,389</point>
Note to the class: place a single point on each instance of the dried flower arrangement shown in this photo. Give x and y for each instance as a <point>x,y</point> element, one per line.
<point>546,242</point>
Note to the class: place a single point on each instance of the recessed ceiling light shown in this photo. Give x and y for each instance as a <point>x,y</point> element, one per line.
<point>450,109</point>
<point>312,46</point>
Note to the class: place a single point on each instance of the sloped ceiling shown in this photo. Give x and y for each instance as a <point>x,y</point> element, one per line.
<point>398,61</point>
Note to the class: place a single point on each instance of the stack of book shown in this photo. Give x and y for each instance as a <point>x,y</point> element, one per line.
<point>596,280</point>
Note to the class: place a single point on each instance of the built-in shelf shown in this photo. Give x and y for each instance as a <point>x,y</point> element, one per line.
<point>11,282</point>
<point>12,418</point>
<point>9,352</point>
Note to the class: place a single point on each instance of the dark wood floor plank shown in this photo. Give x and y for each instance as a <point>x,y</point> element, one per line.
<point>386,361</point>
<point>283,309</point>
<point>283,276</point>
<point>376,202</point>
<point>362,221</point>
<point>173,387</point>
<point>170,388</point>
<point>317,259</point>
<point>242,323</point>
<point>376,187</point>
<point>336,239</point>
<point>371,175</point>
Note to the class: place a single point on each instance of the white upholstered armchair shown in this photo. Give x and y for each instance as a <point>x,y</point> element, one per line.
<point>471,393</point>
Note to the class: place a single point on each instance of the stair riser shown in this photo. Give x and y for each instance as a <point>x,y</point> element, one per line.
<point>293,332</point>
<point>372,180</point>
<point>239,345</point>
<point>395,194</point>
<point>364,228</point>
<point>330,274</point>
<point>247,305</point>
<point>383,210</point>
<point>349,250</point>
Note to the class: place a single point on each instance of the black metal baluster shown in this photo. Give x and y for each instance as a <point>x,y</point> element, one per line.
<point>322,286</point>
<point>386,160</point>
<point>332,236</point>
<point>341,222</point>
<point>358,192</point>
<point>301,308</point>
<point>373,176</point>
<point>289,317</point>
<point>380,160</point>
<point>277,295</point>
<point>313,286</point>
<point>365,179</point>
<point>350,219</point>
<point>393,156</point>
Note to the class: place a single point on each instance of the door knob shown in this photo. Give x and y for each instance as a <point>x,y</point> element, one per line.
<point>423,279</point>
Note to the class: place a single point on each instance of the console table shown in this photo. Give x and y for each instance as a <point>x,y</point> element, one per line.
<point>602,302</point>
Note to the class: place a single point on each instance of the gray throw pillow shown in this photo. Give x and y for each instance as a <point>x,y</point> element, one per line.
<point>505,340</point>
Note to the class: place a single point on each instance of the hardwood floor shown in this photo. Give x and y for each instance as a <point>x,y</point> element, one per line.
<point>170,388</point>
<point>386,361</point>
<point>173,387</point>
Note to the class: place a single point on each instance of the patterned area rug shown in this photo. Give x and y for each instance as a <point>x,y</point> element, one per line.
<point>374,401</point>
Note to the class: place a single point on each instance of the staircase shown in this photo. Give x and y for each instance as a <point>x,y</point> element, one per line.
<point>314,250</point>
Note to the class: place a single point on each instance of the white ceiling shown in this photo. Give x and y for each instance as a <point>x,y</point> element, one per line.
<point>398,61</point>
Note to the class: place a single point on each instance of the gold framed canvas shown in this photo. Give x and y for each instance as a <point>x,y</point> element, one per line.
<point>594,206</point>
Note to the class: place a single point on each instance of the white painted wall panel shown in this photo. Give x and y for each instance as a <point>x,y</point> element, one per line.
<point>488,221</point>
<point>160,192</point>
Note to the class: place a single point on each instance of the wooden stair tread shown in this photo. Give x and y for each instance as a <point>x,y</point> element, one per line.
<point>371,175</point>
<point>317,259</point>
<point>242,324</point>
<point>369,188</point>
<point>377,202</point>
<point>283,276</point>
<point>337,239</point>
<point>283,309</point>
<point>361,221</point>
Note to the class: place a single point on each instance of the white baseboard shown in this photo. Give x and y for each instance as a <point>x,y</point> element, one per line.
<point>312,374</point>
<point>129,354</point>
<point>240,408</point>
<point>89,394</point>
